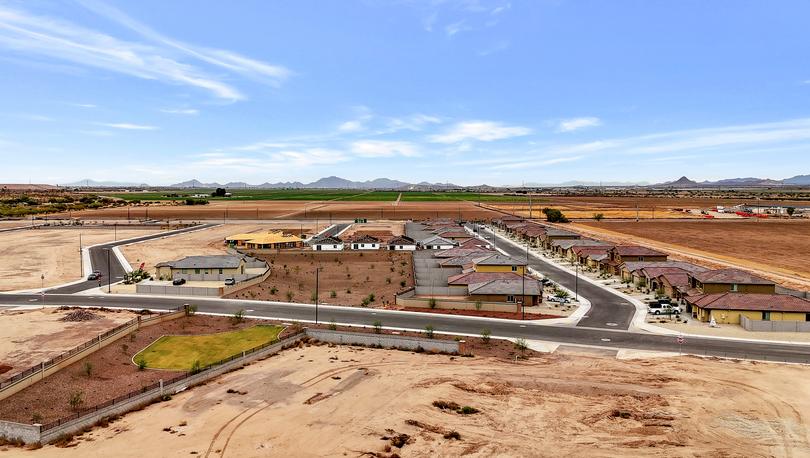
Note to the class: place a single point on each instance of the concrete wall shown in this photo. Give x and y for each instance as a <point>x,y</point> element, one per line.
<point>36,434</point>
<point>91,347</point>
<point>774,326</point>
<point>449,304</point>
<point>169,290</point>
<point>385,340</point>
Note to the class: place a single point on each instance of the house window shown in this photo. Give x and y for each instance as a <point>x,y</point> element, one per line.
<point>220,271</point>
<point>641,258</point>
<point>510,298</point>
<point>807,317</point>
<point>196,271</point>
<point>514,268</point>
<point>362,245</point>
<point>766,316</point>
<point>334,246</point>
<point>734,287</point>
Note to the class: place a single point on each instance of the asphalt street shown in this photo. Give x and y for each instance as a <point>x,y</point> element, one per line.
<point>607,309</point>
<point>606,338</point>
<point>114,271</point>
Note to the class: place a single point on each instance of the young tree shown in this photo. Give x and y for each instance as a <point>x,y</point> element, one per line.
<point>521,346</point>
<point>598,216</point>
<point>378,327</point>
<point>429,331</point>
<point>791,211</point>
<point>485,335</point>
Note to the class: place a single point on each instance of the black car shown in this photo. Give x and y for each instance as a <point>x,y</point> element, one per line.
<point>230,282</point>
<point>94,276</point>
<point>178,281</point>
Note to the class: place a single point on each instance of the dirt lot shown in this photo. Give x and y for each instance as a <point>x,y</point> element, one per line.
<point>380,229</point>
<point>323,211</point>
<point>113,373</point>
<point>204,242</point>
<point>357,402</point>
<point>775,248</point>
<point>352,275</point>
<point>32,336</point>
<point>53,252</point>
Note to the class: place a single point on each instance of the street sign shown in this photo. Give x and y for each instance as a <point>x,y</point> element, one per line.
<point>681,340</point>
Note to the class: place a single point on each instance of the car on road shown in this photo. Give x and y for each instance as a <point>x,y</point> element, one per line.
<point>94,276</point>
<point>179,281</point>
<point>230,282</point>
<point>561,300</point>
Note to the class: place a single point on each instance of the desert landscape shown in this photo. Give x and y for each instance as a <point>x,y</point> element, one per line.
<point>777,249</point>
<point>54,253</point>
<point>360,401</point>
<point>346,278</point>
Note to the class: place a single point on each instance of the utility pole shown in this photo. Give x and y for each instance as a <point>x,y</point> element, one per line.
<point>576,282</point>
<point>636,211</point>
<point>523,287</point>
<point>317,275</point>
<point>115,231</point>
<point>109,273</point>
<point>81,258</point>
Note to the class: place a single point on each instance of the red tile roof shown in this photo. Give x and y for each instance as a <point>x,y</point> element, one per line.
<point>731,276</point>
<point>482,277</point>
<point>755,302</point>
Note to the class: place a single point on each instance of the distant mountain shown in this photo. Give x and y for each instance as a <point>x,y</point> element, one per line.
<point>87,183</point>
<point>331,182</point>
<point>574,183</point>
<point>683,182</point>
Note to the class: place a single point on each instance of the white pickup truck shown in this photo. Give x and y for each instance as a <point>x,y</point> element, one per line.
<point>663,309</point>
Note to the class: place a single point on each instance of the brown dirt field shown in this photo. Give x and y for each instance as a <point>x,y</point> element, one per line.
<point>53,252</point>
<point>204,242</point>
<point>32,336</point>
<point>361,272</point>
<point>114,374</point>
<point>352,401</point>
<point>294,210</point>
<point>778,249</point>
<point>380,229</point>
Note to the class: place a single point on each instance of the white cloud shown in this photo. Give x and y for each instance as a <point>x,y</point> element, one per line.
<point>127,126</point>
<point>479,130</point>
<point>84,105</point>
<point>415,122</point>
<point>181,111</point>
<point>32,35</point>
<point>456,27</point>
<point>383,148</point>
<point>570,125</point>
<point>352,126</point>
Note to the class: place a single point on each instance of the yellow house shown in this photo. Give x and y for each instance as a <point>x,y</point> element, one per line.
<point>500,263</point>
<point>729,307</point>
<point>265,240</point>
<point>731,280</point>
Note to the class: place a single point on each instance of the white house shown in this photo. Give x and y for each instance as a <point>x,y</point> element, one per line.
<point>402,243</point>
<point>437,243</point>
<point>329,243</point>
<point>365,242</point>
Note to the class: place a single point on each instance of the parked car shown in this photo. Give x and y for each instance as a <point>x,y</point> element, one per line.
<point>230,282</point>
<point>657,308</point>
<point>179,281</point>
<point>94,276</point>
<point>561,300</point>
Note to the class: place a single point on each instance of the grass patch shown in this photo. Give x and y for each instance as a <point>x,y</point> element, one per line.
<point>184,352</point>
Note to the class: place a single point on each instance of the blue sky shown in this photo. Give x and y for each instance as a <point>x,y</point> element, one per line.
<point>469,92</point>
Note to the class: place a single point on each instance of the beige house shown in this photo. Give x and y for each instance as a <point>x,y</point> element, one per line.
<point>227,265</point>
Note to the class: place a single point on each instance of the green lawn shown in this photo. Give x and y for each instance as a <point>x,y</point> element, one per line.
<point>180,352</point>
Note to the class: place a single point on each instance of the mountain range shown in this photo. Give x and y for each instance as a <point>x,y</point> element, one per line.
<point>684,182</point>
<point>332,182</point>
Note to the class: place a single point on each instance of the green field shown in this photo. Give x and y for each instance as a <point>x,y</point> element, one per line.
<point>322,194</point>
<point>181,352</point>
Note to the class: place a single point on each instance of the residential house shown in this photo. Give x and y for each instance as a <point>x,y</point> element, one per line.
<point>730,280</point>
<point>582,254</point>
<point>402,243</point>
<point>274,241</point>
<point>553,234</point>
<point>523,291</point>
<point>500,263</point>
<point>631,271</point>
<point>328,243</point>
<point>562,246</point>
<point>437,242</point>
<point>365,242</point>
<point>202,265</point>
<point>620,254</point>
<point>728,307</point>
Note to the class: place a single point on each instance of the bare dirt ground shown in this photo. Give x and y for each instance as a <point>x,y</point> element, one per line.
<point>323,211</point>
<point>380,229</point>
<point>31,253</point>
<point>352,275</point>
<point>343,401</point>
<point>197,243</point>
<point>113,372</point>
<point>28,337</point>
<point>776,249</point>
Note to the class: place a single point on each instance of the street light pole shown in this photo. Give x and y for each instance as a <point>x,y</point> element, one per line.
<point>42,277</point>
<point>109,273</point>
<point>317,279</point>
<point>576,282</point>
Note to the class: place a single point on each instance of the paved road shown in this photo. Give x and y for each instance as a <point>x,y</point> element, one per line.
<point>115,271</point>
<point>608,338</point>
<point>333,230</point>
<point>607,309</point>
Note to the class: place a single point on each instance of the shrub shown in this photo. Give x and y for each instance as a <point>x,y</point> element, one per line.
<point>76,400</point>
<point>238,316</point>
<point>371,297</point>
<point>429,331</point>
<point>446,405</point>
<point>432,303</point>
<point>273,290</point>
<point>485,335</point>
<point>452,435</point>
<point>467,410</point>
<point>348,290</point>
<point>402,283</point>
<point>289,296</point>
<point>191,310</point>
<point>332,294</point>
<point>598,216</point>
<point>378,327</point>
<point>313,297</point>
<point>36,417</point>
<point>388,280</point>
<point>196,367</point>
<point>88,368</point>
<point>478,305</point>
<point>332,325</point>
<point>124,348</point>
<point>141,364</point>
<point>521,345</point>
